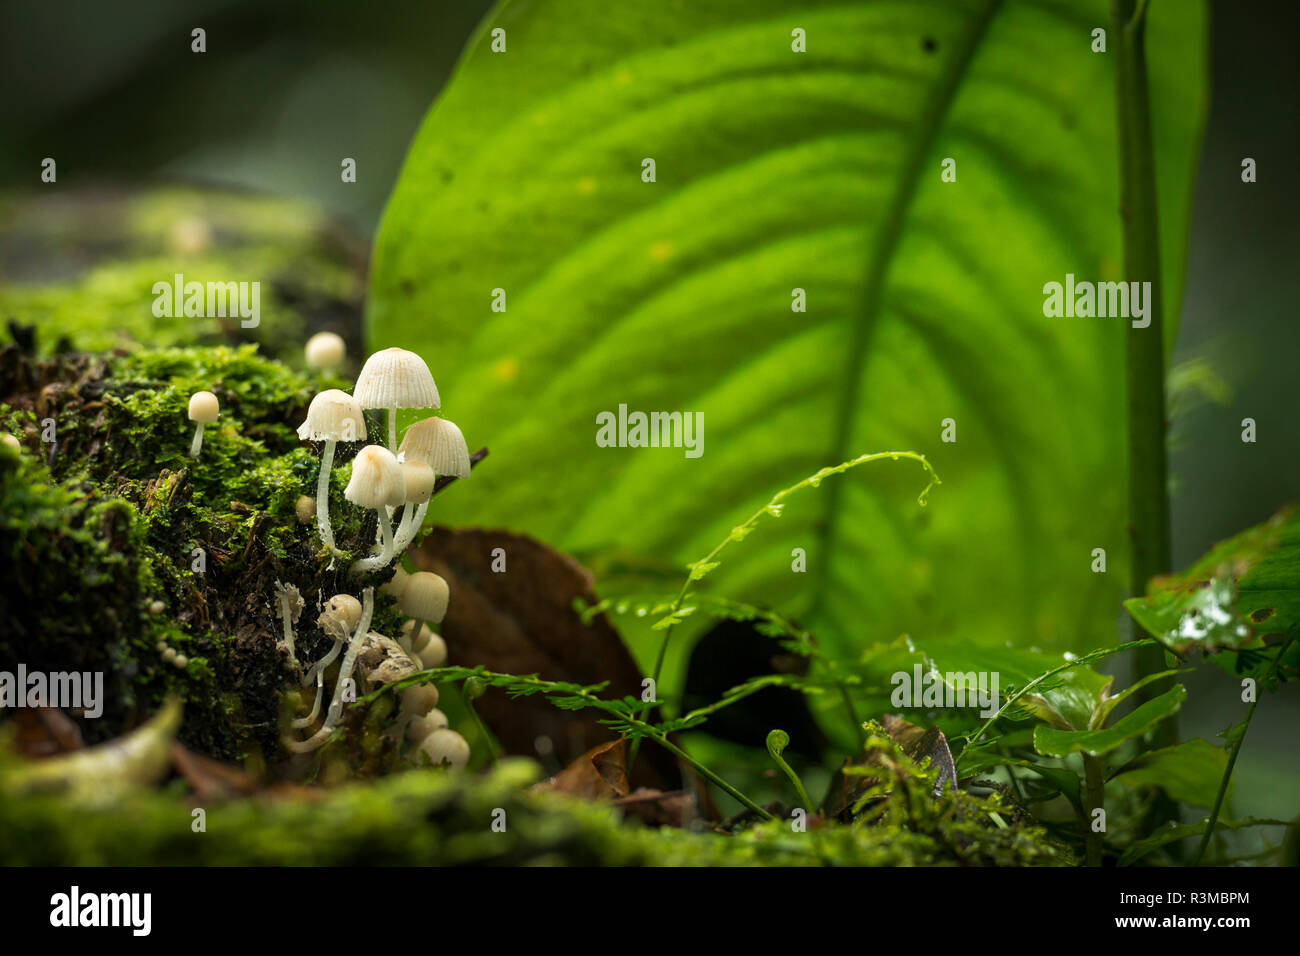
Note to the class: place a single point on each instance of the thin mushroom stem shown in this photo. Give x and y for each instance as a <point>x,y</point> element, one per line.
<point>412,521</point>
<point>324,662</point>
<point>407,641</point>
<point>198,441</point>
<point>350,658</point>
<point>384,556</point>
<point>307,721</point>
<point>286,615</point>
<point>323,496</point>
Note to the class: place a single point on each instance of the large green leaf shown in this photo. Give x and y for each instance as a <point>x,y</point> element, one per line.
<point>779,170</point>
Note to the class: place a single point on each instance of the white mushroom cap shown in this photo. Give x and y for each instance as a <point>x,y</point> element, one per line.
<point>376,479</point>
<point>420,699</point>
<point>334,415</point>
<point>446,746</point>
<point>428,646</point>
<point>439,444</point>
<point>419,479</point>
<point>424,597</point>
<point>396,583</point>
<point>346,608</point>
<point>325,350</point>
<point>396,378</point>
<point>426,724</point>
<point>204,407</point>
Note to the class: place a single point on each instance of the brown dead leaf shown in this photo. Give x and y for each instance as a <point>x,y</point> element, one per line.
<point>45,731</point>
<point>919,743</point>
<point>659,808</point>
<point>521,621</point>
<point>599,774</point>
<point>211,779</point>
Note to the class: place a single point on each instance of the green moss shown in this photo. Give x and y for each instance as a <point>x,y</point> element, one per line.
<point>111,249</point>
<point>437,817</point>
<point>114,515</point>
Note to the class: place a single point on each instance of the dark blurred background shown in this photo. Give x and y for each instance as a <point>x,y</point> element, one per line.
<point>286,90</point>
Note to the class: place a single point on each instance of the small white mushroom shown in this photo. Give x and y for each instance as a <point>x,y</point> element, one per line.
<point>423,599</point>
<point>392,379</point>
<point>305,509</point>
<point>204,409</point>
<point>335,711</point>
<point>332,417</point>
<point>426,724</point>
<point>428,645</point>
<point>290,606</point>
<point>439,444</point>
<point>445,746</point>
<point>395,584</point>
<point>377,483</point>
<point>419,699</point>
<point>325,350</point>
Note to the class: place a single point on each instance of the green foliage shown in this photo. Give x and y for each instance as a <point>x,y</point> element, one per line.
<point>818,171</point>
<point>1054,742</point>
<point>1189,772</point>
<point>1243,593</point>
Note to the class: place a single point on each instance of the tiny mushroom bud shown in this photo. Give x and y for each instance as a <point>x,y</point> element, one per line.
<point>325,350</point>
<point>169,654</point>
<point>377,483</point>
<point>392,379</point>
<point>181,662</point>
<point>346,608</point>
<point>446,746</point>
<point>395,584</point>
<point>204,409</point>
<point>428,646</point>
<point>156,607</point>
<point>305,509</point>
<point>338,621</point>
<point>419,699</point>
<point>423,599</point>
<point>425,724</point>
<point>332,417</point>
<point>13,442</point>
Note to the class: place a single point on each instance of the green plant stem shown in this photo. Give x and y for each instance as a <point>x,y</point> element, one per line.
<point>1232,758</point>
<point>535,684</point>
<point>708,774</point>
<point>858,731</point>
<point>773,508</point>
<point>1144,347</point>
<point>1094,797</point>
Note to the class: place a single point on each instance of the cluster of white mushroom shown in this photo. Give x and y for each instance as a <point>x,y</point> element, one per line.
<point>383,480</point>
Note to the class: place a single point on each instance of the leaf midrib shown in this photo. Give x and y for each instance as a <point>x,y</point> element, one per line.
<point>886,244</point>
